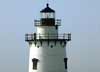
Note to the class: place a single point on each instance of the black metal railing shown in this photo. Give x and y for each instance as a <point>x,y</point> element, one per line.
<point>34,36</point>
<point>38,22</point>
<point>58,22</point>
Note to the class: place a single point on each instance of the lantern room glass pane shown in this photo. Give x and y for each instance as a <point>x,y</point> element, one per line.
<point>47,15</point>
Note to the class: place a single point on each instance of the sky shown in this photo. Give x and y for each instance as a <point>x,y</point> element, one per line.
<point>80,17</point>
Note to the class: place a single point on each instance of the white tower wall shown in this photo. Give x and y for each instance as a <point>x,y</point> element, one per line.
<point>50,59</point>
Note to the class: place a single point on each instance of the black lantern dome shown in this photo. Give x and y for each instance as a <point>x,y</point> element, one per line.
<point>47,9</point>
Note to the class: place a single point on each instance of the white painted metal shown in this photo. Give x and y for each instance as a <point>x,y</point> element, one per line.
<point>50,59</point>
<point>47,31</point>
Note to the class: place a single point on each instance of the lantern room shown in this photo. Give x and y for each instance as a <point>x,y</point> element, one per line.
<point>47,16</point>
<point>47,12</point>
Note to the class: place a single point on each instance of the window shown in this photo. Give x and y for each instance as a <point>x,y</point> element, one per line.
<point>38,46</point>
<point>65,61</point>
<point>48,15</point>
<point>51,46</point>
<point>35,61</point>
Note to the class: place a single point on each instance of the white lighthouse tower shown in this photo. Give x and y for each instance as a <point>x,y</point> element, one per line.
<point>47,46</point>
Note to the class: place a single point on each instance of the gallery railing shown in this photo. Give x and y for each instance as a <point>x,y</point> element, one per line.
<point>34,36</point>
<point>38,22</point>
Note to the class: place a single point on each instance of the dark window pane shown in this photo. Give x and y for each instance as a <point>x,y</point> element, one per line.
<point>65,61</point>
<point>35,61</point>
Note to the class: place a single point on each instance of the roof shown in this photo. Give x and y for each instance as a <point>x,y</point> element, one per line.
<point>47,9</point>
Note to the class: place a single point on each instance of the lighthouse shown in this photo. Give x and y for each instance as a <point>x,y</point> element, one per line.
<point>47,46</point>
